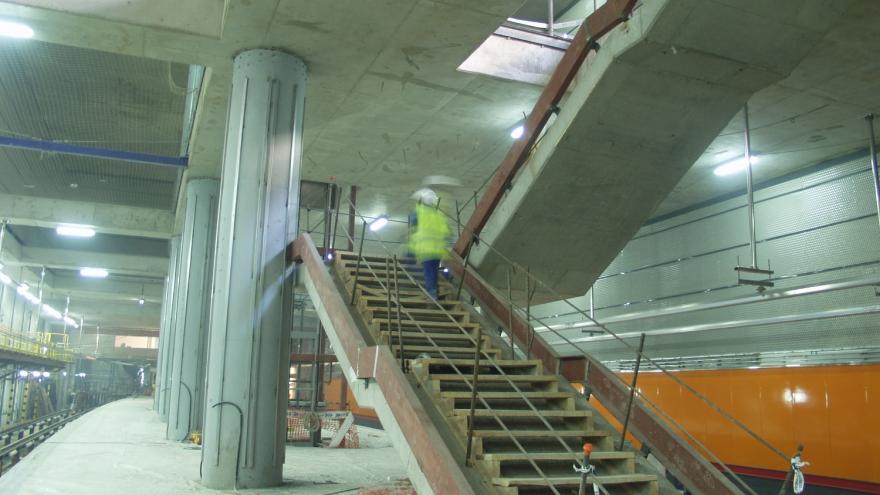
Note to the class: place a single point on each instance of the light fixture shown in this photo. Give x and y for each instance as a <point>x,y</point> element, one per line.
<point>518,131</point>
<point>378,223</point>
<point>22,373</point>
<point>36,374</point>
<point>330,256</point>
<point>46,374</point>
<point>70,321</point>
<point>5,279</point>
<point>141,301</point>
<point>12,29</point>
<point>93,272</point>
<point>733,166</point>
<point>75,231</point>
<point>54,313</point>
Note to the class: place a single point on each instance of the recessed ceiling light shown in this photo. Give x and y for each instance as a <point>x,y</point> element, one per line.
<point>75,231</point>
<point>378,223</point>
<point>734,166</point>
<point>93,272</point>
<point>12,29</point>
<point>518,131</point>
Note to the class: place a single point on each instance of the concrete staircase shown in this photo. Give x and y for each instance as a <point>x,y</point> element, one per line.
<point>523,417</point>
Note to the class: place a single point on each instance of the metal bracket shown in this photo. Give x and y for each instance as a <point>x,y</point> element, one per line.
<point>761,284</point>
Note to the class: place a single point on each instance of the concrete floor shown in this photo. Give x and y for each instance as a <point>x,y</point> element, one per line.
<point>119,449</point>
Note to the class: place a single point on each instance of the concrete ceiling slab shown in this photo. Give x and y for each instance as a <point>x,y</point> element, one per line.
<point>201,17</point>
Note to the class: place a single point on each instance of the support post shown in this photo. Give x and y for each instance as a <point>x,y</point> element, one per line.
<point>357,265</point>
<point>632,392</point>
<point>474,381</point>
<point>246,397</point>
<point>352,202</point>
<point>874,172</point>
<point>399,325</point>
<point>551,16</point>
<point>166,332</point>
<point>192,307</point>
<point>750,193</point>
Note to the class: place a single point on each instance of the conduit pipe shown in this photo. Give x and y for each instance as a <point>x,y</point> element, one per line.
<point>723,325</point>
<point>844,284</point>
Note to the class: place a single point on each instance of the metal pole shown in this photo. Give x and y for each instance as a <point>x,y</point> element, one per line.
<point>457,217</point>
<point>632,392</point>
<point>550,17</point>
<point>510,314</point>
<point>336,215</point>
<point>474,380</point>
<point>750,188</point>
<point>357,267</point>
<point>2,235</point>
<point>352,201</point>
<point>328,219</point>
<point>399,326</point>
<point>592,304</point>
<point>870,120</point>
<point>467,257</point>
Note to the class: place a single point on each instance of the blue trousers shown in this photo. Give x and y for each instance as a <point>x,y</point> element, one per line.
<point>431,267</point>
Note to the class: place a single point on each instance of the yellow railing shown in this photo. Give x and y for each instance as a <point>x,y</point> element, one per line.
<point>41,345</point>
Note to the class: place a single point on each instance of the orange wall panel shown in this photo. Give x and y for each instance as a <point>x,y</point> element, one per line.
<point>828,408</point>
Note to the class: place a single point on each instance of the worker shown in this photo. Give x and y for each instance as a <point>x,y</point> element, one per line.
<point>429,234</point>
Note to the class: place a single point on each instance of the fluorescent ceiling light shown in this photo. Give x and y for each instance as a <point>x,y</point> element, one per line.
<point>75,231</point>
<point>734,166</point>
<point>70,321</point>
<point>22,373</point>
<point>51,311</point>
<point>518,131</point>
<point>12,29</point>
<point>46,374</point>
<point>378,223</point>
<point>93,272</point>
<point>5,278</point>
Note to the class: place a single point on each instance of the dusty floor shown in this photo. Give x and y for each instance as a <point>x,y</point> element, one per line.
<point>119,449</point>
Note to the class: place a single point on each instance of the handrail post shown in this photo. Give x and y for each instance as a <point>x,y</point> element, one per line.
<point>873,150</point>
<point>399,325</point>
<point>463,275</point>
<point>632,392</point>
<point>388,295</point>
<point>474,380</point>
<point>357,267</point>
<point>510,315</point>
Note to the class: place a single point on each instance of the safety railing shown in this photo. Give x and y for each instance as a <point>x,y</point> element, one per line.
<point>479,355</point>
<point>535,322</point>
<point>35,347</point>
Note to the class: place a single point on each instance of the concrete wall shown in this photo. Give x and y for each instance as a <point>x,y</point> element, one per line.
<point>815,228</point>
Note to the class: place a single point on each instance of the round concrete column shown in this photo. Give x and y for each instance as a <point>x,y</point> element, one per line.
<point>246,402</point>
<point>193,303</point>
<point>166,332</point>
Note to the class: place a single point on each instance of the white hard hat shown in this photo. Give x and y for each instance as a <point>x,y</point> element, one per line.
<point>441,180</point>
<point>426,196</point>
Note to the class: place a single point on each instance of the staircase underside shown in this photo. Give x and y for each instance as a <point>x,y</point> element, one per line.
<point>640,112</point>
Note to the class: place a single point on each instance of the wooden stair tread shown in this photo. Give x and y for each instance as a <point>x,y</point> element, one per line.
<point>507,395</point>
<point>420,311</point>
<point>438,336</point>
<point>494,378</point>
<point>558,456</point>
<point>425,323</point>
<point>550,434</point>
<point>509,413</point>
<point>510,363</point>
<point>616,479</point>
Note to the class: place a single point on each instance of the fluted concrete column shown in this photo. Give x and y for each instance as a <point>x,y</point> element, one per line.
<point>166,332</point>
<point>193,303</point>
<point>246,403</point>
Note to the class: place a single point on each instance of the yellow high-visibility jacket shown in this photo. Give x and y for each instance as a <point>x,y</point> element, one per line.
<point>428,240</point>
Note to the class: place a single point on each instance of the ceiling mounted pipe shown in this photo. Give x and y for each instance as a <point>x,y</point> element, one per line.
<point>91,152</point>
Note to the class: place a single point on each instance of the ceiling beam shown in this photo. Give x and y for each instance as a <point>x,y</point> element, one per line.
<point>117,264</point>
<point>105,218</point>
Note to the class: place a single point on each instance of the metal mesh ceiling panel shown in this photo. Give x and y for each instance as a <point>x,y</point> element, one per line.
<point>90,98</point>
<point>77,178</point>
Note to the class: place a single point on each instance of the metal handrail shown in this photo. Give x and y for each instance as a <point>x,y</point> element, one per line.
<point>16,342</point>
<point>642,354</point>
<point>470,384</point>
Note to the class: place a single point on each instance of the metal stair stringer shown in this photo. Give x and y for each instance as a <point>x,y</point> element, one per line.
<point>377,382</point>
